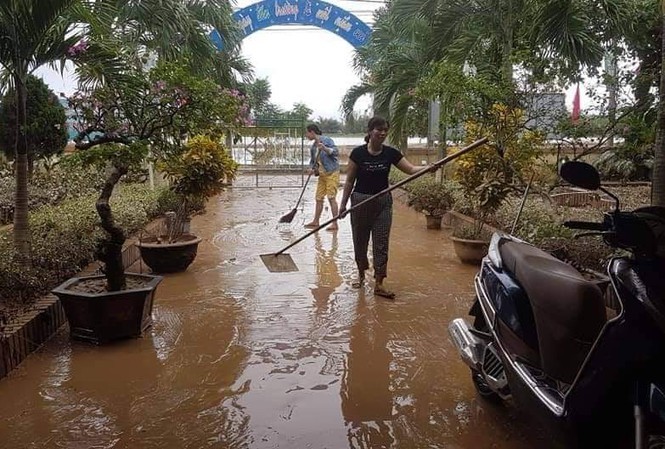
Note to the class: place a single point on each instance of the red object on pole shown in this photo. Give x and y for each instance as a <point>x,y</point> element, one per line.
<point>576,105</point>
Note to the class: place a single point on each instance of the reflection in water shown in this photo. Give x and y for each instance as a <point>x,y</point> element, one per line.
<point>327,275</point>
<point>242,358</point>
<point>367,401</point>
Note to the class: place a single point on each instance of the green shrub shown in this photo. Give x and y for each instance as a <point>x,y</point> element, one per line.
<point>49,188</point>
<point>431,197</point>
<point>65,238</point>
<point>541,224</point>
<point>538,220</point>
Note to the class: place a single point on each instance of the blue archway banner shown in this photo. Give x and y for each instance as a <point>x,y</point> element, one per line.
<point>318,13</point>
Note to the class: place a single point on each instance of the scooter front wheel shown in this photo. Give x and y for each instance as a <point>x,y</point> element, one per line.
<point>483,389</point>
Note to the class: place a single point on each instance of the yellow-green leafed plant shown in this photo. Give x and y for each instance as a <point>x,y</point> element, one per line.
<point>488,174</point>
<point>202,170</point>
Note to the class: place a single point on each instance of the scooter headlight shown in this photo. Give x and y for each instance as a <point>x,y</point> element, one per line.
<point>493,251</point>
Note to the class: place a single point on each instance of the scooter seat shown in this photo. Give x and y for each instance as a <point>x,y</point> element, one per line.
<point>568,310</point>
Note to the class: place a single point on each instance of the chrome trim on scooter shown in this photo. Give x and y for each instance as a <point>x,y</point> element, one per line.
<point>470,347</point>
<point>555,406</point>
<point>493,369</point>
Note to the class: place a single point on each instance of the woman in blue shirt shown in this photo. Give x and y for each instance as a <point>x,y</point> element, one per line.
<point>324,162</point>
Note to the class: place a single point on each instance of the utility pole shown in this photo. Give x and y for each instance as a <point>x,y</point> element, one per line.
<point>611,72</point>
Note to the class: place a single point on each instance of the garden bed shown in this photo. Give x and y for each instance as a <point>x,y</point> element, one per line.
<point>541,221</point>
<point>27,327</point>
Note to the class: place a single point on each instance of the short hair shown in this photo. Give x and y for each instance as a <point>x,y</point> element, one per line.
<point>314,128</point>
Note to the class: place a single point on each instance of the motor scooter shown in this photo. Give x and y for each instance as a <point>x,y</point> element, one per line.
<point>587,356</point>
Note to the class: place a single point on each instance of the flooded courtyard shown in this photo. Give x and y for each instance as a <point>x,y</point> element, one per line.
<point>239,357</point>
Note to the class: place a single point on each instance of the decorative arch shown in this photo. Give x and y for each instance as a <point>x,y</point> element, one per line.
<point>318,13</point>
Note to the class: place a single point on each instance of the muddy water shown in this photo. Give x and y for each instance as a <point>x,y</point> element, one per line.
<point>239,357</point>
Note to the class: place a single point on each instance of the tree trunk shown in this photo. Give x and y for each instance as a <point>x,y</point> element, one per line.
<point>403,143</point>
<point>658,177</point>
<point>507,45</point>
<point>21,224</point>
<point>31,163</point>
<point>111,252</point>
<point>611,71</point>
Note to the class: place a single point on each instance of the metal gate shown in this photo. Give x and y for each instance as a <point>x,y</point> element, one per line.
<point>271,153</point>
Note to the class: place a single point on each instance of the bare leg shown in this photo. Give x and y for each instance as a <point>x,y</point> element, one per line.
<point>317,215</point>
<point>335,211</point>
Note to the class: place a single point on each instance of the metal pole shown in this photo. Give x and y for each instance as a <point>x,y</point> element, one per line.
<point>519,212</point>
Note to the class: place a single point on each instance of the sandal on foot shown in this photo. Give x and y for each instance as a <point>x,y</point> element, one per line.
<point>380,291</point>
<point>357,284</point>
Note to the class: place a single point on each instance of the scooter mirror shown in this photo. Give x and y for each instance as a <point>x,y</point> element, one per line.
<point>580,174</point>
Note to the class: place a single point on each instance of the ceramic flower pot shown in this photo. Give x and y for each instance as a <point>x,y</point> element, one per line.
<point>164,257</point>
<point>470,251</point>
<point>433,222</point>
<point>99,316</point>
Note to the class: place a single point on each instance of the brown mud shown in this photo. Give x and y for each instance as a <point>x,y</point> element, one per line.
<point>239,357</point>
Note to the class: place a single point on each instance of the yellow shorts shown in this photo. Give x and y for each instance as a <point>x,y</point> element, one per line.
<point>327,185</point>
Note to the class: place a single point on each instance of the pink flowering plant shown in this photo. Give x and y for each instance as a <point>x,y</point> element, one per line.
<point>160,109</point>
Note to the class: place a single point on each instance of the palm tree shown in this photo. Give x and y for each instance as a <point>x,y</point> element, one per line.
<point>391,66</point>
<point>553,36</point>
<point>658,179</point>
<point>175,29</point>
<point>564,36</point>
<point>32,33</point>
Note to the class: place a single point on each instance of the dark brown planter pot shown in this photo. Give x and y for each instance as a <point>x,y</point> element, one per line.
<point>433,222</point>
<point>106,316</point>
<point>169,257</point>
<point>470,251</point>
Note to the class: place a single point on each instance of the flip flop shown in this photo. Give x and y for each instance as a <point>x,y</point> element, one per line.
<point>380,291</point>
<point>357,284</point>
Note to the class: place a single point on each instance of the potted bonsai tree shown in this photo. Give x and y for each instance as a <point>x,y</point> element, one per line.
<point>115,304</point>
<point>432,198</point>
<point>201,171</point>
<point>117,123</point>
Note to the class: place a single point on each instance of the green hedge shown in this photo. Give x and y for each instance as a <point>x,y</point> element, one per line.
<point>49,188</point>
<point>65,237</point>
<point>540,224</point>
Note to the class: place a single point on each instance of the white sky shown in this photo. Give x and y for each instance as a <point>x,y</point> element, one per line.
<point>307,64</point>
<point>302,64</point>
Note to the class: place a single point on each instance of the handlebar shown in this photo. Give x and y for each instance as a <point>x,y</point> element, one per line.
<point>589,225</point>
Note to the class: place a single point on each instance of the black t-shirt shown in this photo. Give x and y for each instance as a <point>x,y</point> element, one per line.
<point>372,175</point>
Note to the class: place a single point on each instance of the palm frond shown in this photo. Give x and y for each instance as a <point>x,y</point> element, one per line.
<point>399,116</point>
<point>352,96</point>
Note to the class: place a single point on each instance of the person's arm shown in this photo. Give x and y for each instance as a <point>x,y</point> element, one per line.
<point>327,145</point>
<point>410,169</point>
<point>312,160</point>
<point>351,173</point>
<point>407,167</point>
<point>331,148</point>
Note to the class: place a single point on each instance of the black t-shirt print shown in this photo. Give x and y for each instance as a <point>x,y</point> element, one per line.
<point>372,176</point>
